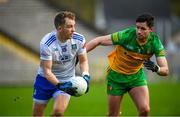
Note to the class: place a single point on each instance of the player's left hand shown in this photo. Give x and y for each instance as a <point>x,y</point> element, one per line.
<point>67,87</point>
<point>87,78</point>
<point>150,65</point>
<point>72,91</point>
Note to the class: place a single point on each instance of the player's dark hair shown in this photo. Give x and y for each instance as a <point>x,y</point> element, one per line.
<point>60,18</point>
<point>146,17</point>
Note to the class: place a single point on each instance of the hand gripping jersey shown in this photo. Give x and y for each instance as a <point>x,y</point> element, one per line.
<point>63,55</point>
<point>128,56</point>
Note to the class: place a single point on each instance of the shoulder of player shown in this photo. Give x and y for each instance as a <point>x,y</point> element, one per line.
<point>49,39</point>
<point>154,37</point>
<point>130,31</point>
<point>124,32</point>
<point>78,37</point>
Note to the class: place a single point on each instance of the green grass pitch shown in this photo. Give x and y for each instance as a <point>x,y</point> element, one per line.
<point>164,101</point>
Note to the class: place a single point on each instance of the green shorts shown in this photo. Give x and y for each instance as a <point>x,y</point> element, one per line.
<point>119,84</point>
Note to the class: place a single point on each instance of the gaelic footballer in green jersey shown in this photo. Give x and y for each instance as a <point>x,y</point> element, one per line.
<point>129,55</point>
<point>134,48</point>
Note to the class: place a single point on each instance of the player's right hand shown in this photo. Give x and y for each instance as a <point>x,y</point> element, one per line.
<point>67,87</point>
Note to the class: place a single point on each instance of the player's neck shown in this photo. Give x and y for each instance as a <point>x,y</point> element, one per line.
<point>61,38</point>
<point>142,41</point>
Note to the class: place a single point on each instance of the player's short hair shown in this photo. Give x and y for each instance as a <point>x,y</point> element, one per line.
<point>60,18</point>
<point>146,17</point>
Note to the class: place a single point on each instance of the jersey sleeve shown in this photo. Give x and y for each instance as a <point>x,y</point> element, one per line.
<point>81,44</point>
<point>45,52</point>
<point>159,50</point>
<point>82,48</point>
<point>118,38</point>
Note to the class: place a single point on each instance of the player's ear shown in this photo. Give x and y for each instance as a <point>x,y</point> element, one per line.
<point>59,28</point>
<point>152,29</point>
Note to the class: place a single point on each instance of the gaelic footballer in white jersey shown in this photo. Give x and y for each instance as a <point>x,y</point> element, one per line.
<point>63,55</point>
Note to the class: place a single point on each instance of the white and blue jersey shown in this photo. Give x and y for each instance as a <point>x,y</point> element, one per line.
<point>63,55</point>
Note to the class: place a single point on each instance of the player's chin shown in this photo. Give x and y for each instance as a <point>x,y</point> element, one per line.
<point>140,37</point>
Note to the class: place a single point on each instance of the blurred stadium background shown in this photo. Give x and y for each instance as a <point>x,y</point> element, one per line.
<point>23,23</point>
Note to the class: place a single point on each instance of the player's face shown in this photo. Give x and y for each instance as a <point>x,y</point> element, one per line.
<point>67,29</point>
<point>142,30</point>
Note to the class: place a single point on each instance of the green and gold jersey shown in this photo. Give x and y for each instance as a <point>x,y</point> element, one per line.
<point>129,55</point>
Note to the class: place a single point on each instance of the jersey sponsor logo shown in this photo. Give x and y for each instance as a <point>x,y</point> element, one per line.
<point>64,58</point>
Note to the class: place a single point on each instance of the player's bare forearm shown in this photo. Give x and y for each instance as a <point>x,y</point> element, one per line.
<point>51,77</point>
<point>102,40</point>
<point>162,63</point>
<point>92,44</point>
<point>48,73</point>
<point>163,71</point>
<point>83,62</point>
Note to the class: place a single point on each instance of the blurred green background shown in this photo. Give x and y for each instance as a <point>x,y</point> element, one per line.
<point>164,96</point>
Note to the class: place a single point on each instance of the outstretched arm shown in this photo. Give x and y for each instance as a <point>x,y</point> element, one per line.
<point>102,40</point>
